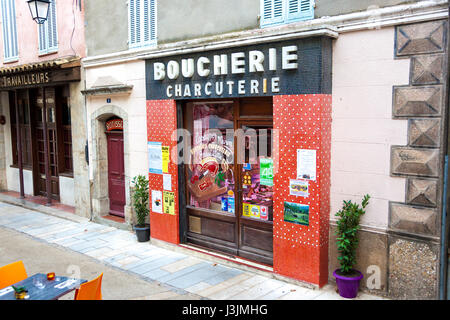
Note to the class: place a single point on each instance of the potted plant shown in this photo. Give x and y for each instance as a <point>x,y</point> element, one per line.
<point>347,278</point>
<point>140,204</point>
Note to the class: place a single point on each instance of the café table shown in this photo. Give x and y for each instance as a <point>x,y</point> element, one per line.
<point>39,288</point>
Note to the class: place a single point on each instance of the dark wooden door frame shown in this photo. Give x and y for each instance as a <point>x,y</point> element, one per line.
<point>182,174</point>
<point>111,135</point>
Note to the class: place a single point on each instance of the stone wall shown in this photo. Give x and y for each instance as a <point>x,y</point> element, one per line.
<point>414,224</point>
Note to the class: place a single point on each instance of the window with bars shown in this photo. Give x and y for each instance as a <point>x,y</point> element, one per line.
<point>9,28</point>
<point>142,23</point>
<point>276,12</point>
<point>48,31</point>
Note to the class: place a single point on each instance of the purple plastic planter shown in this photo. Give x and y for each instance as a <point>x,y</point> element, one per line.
<point>348,286</point>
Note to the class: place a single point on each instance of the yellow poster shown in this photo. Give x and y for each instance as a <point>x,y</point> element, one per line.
<point>165,159</point>
<point>169,202</point>
<point>251,210</point>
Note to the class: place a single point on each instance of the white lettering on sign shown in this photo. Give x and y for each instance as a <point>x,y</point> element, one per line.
<point>201,69</point>
<point>238,62</point>
<point>219,65</point>
<point>256,60</point>
<point>289,57</point>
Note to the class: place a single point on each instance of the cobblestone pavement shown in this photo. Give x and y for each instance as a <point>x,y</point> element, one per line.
<point>185,275</point>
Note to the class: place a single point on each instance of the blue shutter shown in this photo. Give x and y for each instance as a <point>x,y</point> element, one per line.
<point>298,10</point>
<point>142,23</point>
<point>272,12</point>
<point>52,28</point>
<point>48,31</point>
<point>9,26</point>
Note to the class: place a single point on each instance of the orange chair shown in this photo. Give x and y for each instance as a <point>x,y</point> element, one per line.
<point>91,290</point>
<point>12,273</point>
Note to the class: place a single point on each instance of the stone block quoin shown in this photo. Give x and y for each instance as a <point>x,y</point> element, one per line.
<point>414,226</point>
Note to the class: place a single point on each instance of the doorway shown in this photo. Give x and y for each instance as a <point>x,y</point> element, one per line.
<point>116,173</point>
<point>229,177</point>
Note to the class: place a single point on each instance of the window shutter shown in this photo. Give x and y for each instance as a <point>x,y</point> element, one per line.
<point>142,23</point>
<point>48,31</point>
<point>9,26</point>
<point>272,12</point>
<point>299,10</point>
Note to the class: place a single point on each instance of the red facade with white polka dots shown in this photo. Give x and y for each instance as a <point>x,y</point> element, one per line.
<point>303,122</point>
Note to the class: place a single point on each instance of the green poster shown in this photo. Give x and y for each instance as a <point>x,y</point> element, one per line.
<point>266,171</point>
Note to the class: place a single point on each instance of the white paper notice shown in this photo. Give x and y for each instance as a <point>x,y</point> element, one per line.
<point>306,164</point>
<point>167,182</point>
<point>155,162</point>
<point>157,203</point>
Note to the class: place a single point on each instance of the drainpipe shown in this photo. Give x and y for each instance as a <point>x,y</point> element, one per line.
<point>19,147</point>
<point>443,272</point>
<point>444,255</point>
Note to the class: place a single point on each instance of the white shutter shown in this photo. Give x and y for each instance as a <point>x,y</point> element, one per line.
<point>142,23</point>
<point>9,26</point>
<point>299,10</point>
<point>272,12</point>
<point>275,12</point>
<point>48,31</point>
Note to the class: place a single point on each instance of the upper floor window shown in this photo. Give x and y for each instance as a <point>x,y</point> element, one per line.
<point>48,32</point>
<point>9,26</point>
<point>276,12</point>
<point>142,23</point>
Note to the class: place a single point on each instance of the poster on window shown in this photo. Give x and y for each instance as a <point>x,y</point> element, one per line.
<point>266,171</point>
<point>306,164</point>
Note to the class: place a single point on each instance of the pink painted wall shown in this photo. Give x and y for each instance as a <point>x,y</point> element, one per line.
<point>27,33</point>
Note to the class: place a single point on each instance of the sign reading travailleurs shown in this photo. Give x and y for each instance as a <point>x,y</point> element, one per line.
<point>289,67</point>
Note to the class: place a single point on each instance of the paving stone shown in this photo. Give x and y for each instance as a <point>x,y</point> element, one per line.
<point>199,275</point>
<point>426,37</point>
<point>258,290</point>
<point>179,265</point>
<point>224,285</point>
<point>237,288</point>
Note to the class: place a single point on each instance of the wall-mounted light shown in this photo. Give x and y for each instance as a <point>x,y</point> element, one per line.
<point>2,120</point>
<point>39,10</point>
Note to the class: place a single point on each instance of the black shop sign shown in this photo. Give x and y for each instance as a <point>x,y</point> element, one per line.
<point>300,66</point>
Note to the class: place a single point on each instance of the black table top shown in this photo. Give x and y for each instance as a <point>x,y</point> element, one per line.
<point>45,290</point>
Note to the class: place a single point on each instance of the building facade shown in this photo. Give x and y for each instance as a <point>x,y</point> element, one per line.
<point>254,121</point>
<point>43,137</point>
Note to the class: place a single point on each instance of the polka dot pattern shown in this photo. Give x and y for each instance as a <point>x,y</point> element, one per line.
<point>161,124</point>
<point>303,122</point>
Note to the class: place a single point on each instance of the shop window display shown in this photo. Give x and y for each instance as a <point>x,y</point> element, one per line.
<point>213,179</point>
<point>211,171</point>
<point>257,175</point>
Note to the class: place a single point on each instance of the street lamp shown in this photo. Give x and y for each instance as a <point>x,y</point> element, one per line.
<point>39,10</point>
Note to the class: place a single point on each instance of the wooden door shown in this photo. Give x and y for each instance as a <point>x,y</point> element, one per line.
<point>214,179</point>
<point>49,111</point>
<point>116,174</point>
<point>255,183</point>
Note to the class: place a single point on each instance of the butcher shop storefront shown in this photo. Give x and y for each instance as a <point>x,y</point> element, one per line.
<point>239,153</point>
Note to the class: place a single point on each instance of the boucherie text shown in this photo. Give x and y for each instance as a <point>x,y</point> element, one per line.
<point>254,72</point>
